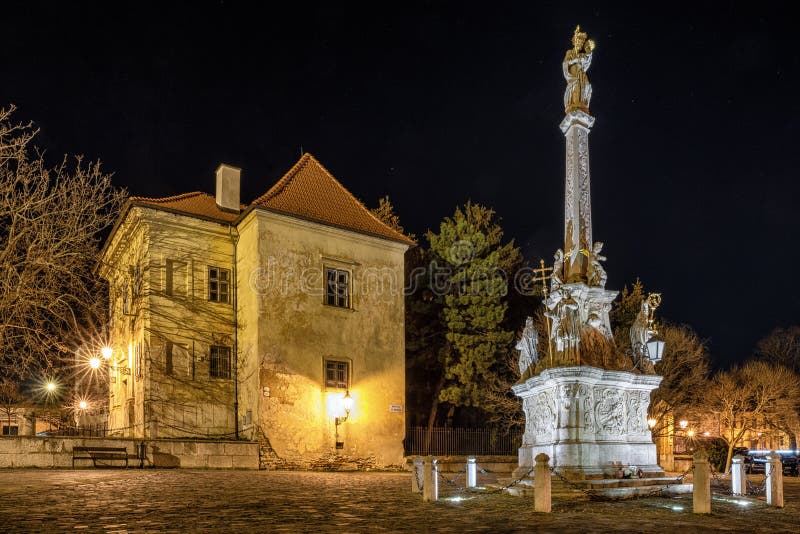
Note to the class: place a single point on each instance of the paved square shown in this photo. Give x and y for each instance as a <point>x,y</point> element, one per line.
<point>118,500</point>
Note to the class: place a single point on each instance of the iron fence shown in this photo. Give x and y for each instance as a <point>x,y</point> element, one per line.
<point>446,441</point>
<point>87,431</point>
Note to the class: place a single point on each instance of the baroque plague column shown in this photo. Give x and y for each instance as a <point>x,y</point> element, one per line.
<point>585,403</point>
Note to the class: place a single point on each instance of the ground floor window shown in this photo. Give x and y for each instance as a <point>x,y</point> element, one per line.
<point>220,361</point>
<point>10,430</point>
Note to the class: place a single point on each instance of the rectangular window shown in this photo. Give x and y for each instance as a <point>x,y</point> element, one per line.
<point>126,299</point>
<point>219,284</point>
<point>168,365</point>
<point>337,287</point>
<point>137,359</point>
<point>337,374</point>
<point>10,430</point>
<point>220,361</point>
<point>175,283</point>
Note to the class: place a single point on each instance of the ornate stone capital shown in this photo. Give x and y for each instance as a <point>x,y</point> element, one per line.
<point>576,117</point>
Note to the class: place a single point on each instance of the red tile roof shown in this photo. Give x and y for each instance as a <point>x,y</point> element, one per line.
<point>307,191</point>
<point>195,203</point>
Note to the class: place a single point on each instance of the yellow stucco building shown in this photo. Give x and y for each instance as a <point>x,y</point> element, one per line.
<point>258,319</point>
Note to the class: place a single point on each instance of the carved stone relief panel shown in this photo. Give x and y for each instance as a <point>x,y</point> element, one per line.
<point>610,411</point>
<point>541,415</point>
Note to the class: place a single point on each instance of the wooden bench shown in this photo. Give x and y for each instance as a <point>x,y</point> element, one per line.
<point>96,454</point>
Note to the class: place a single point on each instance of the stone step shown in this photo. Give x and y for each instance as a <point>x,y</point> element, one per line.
<point>560,489</point>
<point>606,483</point>
<point>625,488</point>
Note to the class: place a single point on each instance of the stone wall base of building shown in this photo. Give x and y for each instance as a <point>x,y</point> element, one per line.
<point>56,452</point>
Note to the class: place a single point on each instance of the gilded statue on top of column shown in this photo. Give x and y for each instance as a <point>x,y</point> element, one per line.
<point>575,65</point>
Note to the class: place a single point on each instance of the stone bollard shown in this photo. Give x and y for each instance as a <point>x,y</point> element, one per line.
<point>416,475</point>
<point>430,480</point>
<point>774,471</point>
<point>472,472</point>
<point>738,476</point>
<point>541,484</point>
<point>701,484</point>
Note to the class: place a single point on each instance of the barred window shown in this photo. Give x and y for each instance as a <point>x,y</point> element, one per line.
<point>219,284</point>
<point>337,287</point>
<point>220,361</point>
<point>337,374</point>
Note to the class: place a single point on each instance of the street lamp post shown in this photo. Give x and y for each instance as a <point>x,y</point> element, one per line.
<point>347,404</point>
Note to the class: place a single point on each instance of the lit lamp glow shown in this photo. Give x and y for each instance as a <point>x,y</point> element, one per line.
<point>684,423</point>
<point>347,405</point>
<point>51,386</point>
<point>94,362</point>
<point>107,352</point>
<point>690,433</point>
<point>651,422</point>
<point>655,348</point>
<point>83,405</point>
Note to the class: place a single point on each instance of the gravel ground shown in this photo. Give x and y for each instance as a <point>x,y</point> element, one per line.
<point>119,500</point>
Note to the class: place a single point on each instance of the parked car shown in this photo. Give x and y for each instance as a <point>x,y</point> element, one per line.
<point>757,464</point>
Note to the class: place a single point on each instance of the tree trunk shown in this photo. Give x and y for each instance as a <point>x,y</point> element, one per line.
<point>432,414</point>
<point>729,457</point>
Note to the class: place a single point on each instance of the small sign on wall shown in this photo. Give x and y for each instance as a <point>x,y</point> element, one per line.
<point>265,392</point>
<point>395,408</point>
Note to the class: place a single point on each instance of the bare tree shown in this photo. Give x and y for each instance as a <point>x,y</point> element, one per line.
<point>685,369</point>
<point>748,396</point>
<point>50,224</point>
<point>10,398</point>
<point>781,346</point>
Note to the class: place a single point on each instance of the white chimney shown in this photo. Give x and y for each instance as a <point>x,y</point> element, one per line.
<point>228,187</point>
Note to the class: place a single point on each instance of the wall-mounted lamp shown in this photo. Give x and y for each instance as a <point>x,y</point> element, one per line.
<point>347,405</point>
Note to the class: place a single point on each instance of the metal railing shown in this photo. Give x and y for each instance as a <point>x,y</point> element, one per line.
<point>447,441</point>
<point>87,431</point>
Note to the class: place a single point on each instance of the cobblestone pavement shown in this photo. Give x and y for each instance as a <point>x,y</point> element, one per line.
<point>97,500</point>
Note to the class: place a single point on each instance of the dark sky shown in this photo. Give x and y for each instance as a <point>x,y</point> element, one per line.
<point>693,153</point>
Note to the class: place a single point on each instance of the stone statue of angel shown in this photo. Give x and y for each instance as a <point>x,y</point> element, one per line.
<point>570,323</point>
<point>640,330</point>
<point>558,268</point>
<point>527,346</point>
<point>575,65</point>
<point>597,274</point>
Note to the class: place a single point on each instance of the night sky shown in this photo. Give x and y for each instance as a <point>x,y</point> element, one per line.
<point>693,154</point>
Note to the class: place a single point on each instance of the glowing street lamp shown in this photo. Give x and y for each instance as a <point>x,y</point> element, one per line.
<point>690,433</point>
<point>347,404</point>
<point>683,423</point>
<point>83,405</point>
<point>107,352</point>
<point>651,422</point>
<point>50,386</point>
<point>94,362</point>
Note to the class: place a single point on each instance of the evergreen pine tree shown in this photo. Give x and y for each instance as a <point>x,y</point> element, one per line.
<point>471,274</point>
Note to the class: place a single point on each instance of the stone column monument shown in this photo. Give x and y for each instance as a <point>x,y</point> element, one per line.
<point>585,402</point>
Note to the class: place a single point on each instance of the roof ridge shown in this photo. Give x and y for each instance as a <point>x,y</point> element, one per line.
<point>173,198</point>
<point>285,179</point>
<point>293,172</point>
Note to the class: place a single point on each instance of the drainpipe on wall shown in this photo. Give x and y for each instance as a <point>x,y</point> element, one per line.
<point>234,234</point>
